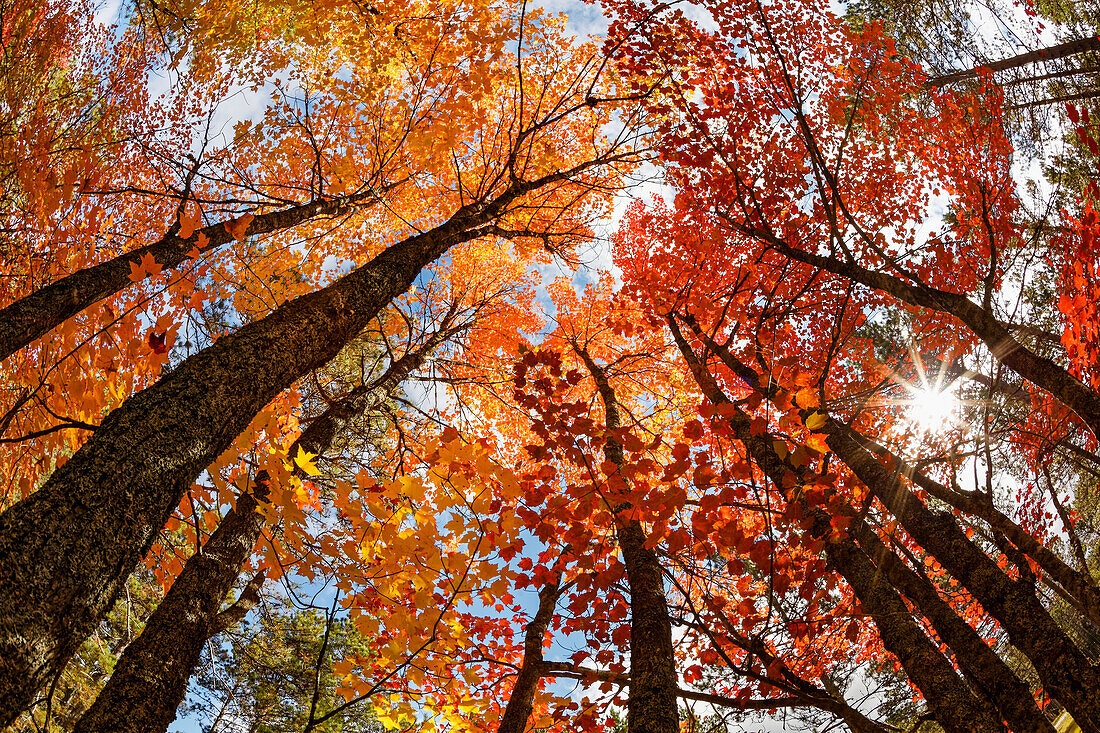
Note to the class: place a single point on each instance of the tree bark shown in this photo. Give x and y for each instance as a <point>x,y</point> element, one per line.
<point>1078,584</point>
<point>1067,674</point>
<point>150,679</point>
<point>980,664</point>
<point>651,703</point>
<point>521,703</point>
<point>955,706</point>
<point>67,549</point>
<point>1059,51</point>
<point>35,314</point>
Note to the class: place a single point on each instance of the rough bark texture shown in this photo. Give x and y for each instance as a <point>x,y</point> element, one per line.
<point>953,703</point>
<point>981,666</point>
<point>651,703</point>
<point>35,314</point>
<point>66,550</point>
<point>985,670</point>
<point>150,680</point>
<point>1067,675</point>
<point>1079,585</point>
<point>521,703</point>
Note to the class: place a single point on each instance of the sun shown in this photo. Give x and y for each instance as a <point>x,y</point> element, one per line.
<point>930,405</point>
<point>932,410</point>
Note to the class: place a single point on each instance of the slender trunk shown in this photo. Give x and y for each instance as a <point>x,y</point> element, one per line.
<point>150,679</point>
<point>1078,584</point>
<point>651,703</point>
<point>1060,51</point>
<point>67,549</point>
<point>35,314</point>
<point>984,669</point>
<point>981,665</point>
<point>953,703</point>
<point>1066,673</point>
<point>521,703</point>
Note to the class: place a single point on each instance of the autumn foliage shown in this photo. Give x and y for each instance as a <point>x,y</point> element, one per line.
<point>276,326</point>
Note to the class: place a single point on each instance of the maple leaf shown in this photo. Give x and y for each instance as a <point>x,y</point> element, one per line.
<point>189,223</point>
<point>145,267</point>
<point>239,226</point>
<point>304,461</point>
<point>156,342</point>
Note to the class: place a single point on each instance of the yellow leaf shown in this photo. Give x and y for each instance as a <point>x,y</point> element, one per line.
<point>815,421</point>
<point>304,461</point>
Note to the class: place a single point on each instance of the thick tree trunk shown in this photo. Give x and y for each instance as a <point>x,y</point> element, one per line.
<point>521,703</point>
<point>34,315</point>
<point>150,679</point>
<point>652,701</point>
<point>66,550</point>
<point>953,703</point>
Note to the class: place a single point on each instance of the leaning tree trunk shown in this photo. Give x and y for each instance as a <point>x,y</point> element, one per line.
<point>1066,673</point>
<point>955,706</point>
<point>1059,51</point>
<point>522,700</point>
<point>652,701</point>
<point>67,549</point>
<point>986,671</point>
<point>150,680</point>
<point>35,314</point>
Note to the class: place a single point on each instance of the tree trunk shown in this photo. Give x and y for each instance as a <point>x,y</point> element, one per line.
<point>651,703</point>
<point>1060,51</point>
<point>1067,675</point>
<point>953,703</point>
<point>35,314</point>
<point>150,679</point>
<point>521,703</point>
<point>985,670</point>
<point>67,549</point>
<point>980,664</point>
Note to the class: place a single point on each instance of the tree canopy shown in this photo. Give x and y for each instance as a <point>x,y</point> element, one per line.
<point>298,431</point>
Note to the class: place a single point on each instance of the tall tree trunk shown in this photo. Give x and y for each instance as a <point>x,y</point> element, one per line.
<point>955,706</point>
<point>521,703</point>
<point>1078,584</point>
<point>651,703</point>
<point>1067,674</point>
<point>985,670</point>
<point>980,664</point>
<point>150,679</point>
<point>67,549</point>
<point>35,314</point>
